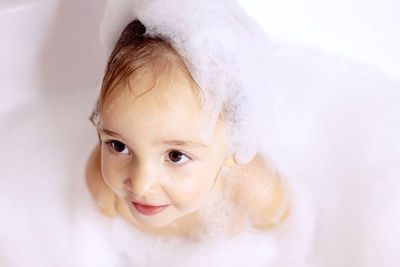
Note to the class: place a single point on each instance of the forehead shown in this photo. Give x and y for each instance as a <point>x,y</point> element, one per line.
<point>170,109</point>
<point>145,89</point>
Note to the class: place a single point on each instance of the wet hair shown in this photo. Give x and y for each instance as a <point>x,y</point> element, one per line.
<point>135,52</point>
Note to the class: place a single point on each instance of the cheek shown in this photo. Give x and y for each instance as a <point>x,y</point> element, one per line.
<point>188,188</point>
<point>113,171</point>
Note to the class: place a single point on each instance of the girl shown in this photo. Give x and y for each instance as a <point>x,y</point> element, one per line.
<point>166,157</point>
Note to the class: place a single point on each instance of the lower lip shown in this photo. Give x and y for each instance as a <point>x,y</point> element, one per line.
<point>149,210</point>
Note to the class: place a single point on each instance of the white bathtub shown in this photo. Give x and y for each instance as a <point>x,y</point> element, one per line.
<point>51,66</point>
<point>48,46</point>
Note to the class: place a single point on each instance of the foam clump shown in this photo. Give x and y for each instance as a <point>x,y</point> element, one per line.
<point>226,49</point>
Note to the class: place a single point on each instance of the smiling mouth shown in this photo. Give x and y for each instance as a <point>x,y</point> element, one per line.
<point>147,209</point>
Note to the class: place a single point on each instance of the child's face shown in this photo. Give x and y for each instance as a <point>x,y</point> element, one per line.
<point>153,153</point>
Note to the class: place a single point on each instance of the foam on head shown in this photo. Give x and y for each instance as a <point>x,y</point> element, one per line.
<point>226,52</point>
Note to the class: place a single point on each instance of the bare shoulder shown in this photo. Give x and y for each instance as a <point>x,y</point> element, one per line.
<point>261,194</point>
<point>102,194</point>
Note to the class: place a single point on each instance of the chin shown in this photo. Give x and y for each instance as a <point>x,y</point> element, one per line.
<point>155,223</point>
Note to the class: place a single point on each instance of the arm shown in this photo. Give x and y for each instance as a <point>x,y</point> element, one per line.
<point>102,194</point>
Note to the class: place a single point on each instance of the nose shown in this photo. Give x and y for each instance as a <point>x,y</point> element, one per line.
<point>143,181</point>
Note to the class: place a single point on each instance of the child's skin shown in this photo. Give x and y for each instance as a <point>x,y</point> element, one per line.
<point>153,152</point>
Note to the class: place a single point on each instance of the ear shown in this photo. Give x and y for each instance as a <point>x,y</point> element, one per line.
<point>230,161</point>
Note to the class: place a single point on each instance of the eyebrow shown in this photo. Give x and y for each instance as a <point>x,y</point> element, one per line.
<point>167,142</point>
<point>109,132</point>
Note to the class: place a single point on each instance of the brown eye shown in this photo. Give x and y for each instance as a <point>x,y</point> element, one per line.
<point>119,147</point>
<point>177,157</point>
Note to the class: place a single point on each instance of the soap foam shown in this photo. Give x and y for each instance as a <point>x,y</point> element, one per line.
<point>333,136</point>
